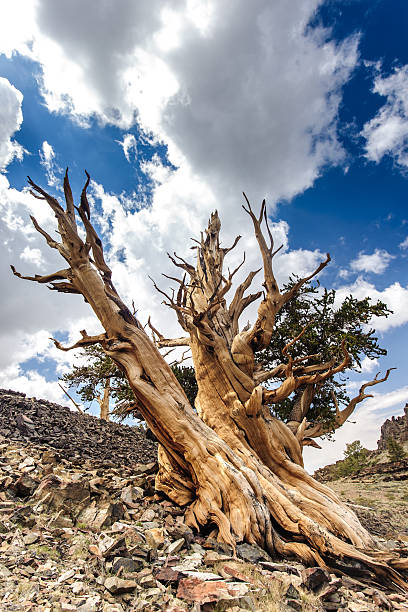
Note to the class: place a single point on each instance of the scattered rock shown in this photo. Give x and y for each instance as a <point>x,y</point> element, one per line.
<point>200,591</point>
<point>252,553</point>
<point>117,585</point>
<point>125,565</point>
<point>314,578</point>
<point>80,530</point>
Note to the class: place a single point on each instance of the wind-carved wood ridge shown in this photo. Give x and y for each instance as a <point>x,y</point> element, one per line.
<point>229,461</point>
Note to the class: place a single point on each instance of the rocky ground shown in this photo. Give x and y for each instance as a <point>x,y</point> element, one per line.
<point>91,534</point>
<point>77,435</point>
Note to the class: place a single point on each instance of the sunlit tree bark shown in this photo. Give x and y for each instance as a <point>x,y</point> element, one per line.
<point>230,463</point>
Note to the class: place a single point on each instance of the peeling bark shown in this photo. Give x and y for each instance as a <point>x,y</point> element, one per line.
<point>230,463</point>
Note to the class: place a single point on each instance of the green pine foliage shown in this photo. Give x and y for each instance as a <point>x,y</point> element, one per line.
<point>395,450</point>
<point>355,458</point>
<point>186,377</point>
<point>328,324</point>
<point>89,378</point>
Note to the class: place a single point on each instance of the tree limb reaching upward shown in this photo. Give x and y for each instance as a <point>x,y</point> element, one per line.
<point>230,462</point>
<point>342,415</point>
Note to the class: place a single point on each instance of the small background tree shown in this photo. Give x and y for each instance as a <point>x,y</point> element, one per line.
<point>395,450</point>
<point>355,457</point>
<point>98,378</point>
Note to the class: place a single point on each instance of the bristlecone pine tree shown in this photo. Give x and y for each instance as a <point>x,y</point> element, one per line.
<point>230,464</point>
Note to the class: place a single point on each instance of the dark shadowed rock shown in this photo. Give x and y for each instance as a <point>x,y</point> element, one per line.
<point>24,486</point>
<point>313,578</point>
<point>252,553</point>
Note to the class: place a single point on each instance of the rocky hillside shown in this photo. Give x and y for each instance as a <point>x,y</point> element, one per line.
<point>377,464</point>
<point>75,435</point>
<point>83,529</point>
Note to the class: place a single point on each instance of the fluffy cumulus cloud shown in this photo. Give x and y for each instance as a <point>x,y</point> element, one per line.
<point>376,263</point>
<point>395,297</point>
<point>387,132</point>
<point>248,93</point>
<point>11,119</point>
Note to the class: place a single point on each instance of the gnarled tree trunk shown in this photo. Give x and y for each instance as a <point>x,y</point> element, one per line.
<point>230,463</point>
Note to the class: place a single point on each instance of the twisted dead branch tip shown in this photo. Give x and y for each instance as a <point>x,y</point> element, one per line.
<point>84,200</point>
<point>84,341</point>
<point>342,415</point>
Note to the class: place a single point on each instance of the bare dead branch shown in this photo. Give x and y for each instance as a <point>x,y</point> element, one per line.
<point>54,204</point>
<point>342,415</point>
<point>77,406</point>
<point>163,342</point>
<point>84,206</point>
<point>264,375</point>
<point>291,292</point>
<point>50,241</point>
<point>93,241</point>
<point>38,278</point>
<point>294,340</point>
<point>84,341</point>
<point>184,265</point>
<point>185,355</point>
<point>227,250</point>
<point>293,382</point>
<point>69,199</point>
<point>154,330</point>
<point>173,342</point>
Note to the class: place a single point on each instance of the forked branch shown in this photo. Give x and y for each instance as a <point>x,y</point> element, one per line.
<point>342,415</point>
<point>260,335</point>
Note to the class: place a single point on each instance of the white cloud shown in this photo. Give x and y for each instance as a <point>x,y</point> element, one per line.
<point>344,273</point>
<point>404,244</point>
<point>11,119</point>
<point>300,262</point>
<point>128,145</point>
<point>32,256</point>
<point>47,160</point>
<point>368,365</point>
<point>395,297</point>
<point>387,132</point>
<point>32,384</point>
<point>376,263</point>
<point>246,92</point>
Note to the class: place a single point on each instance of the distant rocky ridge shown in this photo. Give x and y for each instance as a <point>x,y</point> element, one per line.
<point>395,428</point>
<point>377,462</point>
<point>75,435</point>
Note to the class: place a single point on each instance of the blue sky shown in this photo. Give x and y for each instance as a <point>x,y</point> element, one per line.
<point>175,110</point>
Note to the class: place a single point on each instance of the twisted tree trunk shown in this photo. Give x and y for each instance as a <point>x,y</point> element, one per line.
<point>230,463</point>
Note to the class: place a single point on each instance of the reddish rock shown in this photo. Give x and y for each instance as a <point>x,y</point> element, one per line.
<point>167,574</point>
<point>230,570</point>
<point>193,589</point>
<point>329,589</point>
